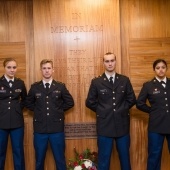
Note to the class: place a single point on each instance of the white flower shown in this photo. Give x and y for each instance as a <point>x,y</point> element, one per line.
<point>88,163</point>
<point>78,167</point>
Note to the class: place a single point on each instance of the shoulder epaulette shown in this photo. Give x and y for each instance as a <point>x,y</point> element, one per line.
<point>97,77</point>
<point>149,81</point>
<point>36,82</point>
<point>17,78</point>
<point>59,82</point>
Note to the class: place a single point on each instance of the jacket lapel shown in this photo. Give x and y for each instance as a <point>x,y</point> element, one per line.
<point>15,83</point>
<point>105,81</point>
<point>158,84</point>
<point>168,83</point>
<point>52,87</point>
<point>117,81</point>
<point>4,81</point>
<point>42,88</point>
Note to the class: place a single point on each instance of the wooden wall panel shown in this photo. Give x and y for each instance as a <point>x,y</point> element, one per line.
<point>142,53</point>
<point>12,21</point>
<point>149,19</point>
<point>138,141</point>
<point>145,35</point>
<point>17,51</point>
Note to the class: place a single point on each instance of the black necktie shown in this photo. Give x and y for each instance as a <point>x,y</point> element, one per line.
<point>10,83</point>
<point>47,86</point>
<point>163,84</point>
<point>111,80</point>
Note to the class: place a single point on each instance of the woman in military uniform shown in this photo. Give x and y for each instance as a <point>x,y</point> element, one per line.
<point>12,97</point>
<point>157,92</point>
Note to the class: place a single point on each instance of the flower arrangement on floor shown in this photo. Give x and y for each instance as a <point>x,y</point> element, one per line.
<point>86,160</point>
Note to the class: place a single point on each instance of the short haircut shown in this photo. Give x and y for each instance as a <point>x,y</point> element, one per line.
<point>159,61</point>
<point>7,60</point>
<point>45,61</point>
<point>109,53</point>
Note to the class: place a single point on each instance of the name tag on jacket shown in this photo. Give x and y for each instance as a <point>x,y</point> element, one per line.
<point>156,91</point>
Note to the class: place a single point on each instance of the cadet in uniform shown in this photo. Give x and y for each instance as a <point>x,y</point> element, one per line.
<point>49,99</point>
<point>157,92</point>
<point>111,96</point>
<point>12,97</point>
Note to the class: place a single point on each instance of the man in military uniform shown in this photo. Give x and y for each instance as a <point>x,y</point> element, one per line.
<point>111,96</point>
<point>49,99</point>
